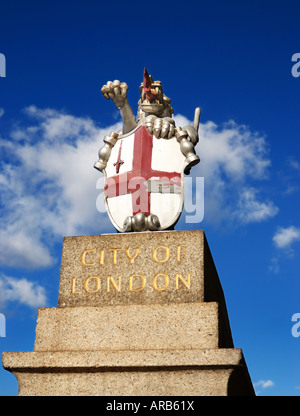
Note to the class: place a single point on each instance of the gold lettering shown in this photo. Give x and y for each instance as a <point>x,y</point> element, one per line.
<point>166,277</point>
<point>73,285</point>
<point>83,261</point>
<point>110,279</point>
<point>137,250</point>
<point>101,256</point>
<point>115,254</point>
<point>131,281</point>
<point>179,253</point>
<point>186,283</point>
<point>166,257</point>
<point>86,284</point>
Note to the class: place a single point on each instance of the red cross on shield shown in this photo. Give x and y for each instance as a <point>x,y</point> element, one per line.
<point>144,174</point>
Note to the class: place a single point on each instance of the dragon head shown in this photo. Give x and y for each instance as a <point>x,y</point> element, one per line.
<point>152,100</point>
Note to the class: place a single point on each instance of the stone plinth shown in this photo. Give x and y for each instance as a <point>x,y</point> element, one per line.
<point>138,314</point>
<point>128,327</point>
<point>138,268</point>
<point>191,372</point>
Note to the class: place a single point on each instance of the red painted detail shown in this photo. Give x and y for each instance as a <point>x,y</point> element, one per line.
<point>147,87</point>
<point>134,181</point>
<point>119,162</point>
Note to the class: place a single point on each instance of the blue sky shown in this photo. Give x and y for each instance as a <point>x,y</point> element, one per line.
<point>234,60</point>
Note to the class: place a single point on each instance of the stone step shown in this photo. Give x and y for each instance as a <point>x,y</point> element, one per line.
<point>130,327</point>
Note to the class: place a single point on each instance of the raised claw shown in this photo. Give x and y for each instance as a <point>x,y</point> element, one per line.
<point>116,87</point>
<point>104,91</point>
<point>124,88</point>
<point>117,91</point>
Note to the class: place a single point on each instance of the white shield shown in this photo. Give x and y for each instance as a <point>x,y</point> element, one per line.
<point>144,174</point>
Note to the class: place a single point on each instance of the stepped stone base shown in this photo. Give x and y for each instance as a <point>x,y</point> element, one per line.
<point>211,372</point>
<point>149,320</point>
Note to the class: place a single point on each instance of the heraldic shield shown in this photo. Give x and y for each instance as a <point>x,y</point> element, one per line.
<point>144,183</point>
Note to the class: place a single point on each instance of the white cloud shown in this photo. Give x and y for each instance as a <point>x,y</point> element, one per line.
<point>20,248</point>
<point>291,189</point>
<point>233,149</point>
<point>294,164</point>
<point>284,237</point>
<point>252,210</point>
<point>264,384</point>
<point>274,265</point>
<point>1,112</point>
<point>23,291</point>
<point>48,186</point>
<point>232,158</point>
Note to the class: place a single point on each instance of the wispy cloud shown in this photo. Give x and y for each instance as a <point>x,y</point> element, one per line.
<point>274,265</point>
<point>263,384</point>
<point>48,185</point>
<point>294,164</point>
<point>285,237</point>
<point>1,112</point>
<point>233,158</point>
<point>291,189</point>
<point>22,291</point>
<point>250,209</point>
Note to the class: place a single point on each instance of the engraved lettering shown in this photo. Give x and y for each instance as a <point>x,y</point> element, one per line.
<point>137,282</point>
<point>166,254</point>
<point>101,256</point>
<point>83,260</point>
<point>166,279</point>
<point>115,254</point>
<point>137,250</point>
<point>111,280</point>
<point>143,283</point>
<point>73,286</point>
<point>97,285</point>
<point>187,283</point>
<point>179,252</point>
